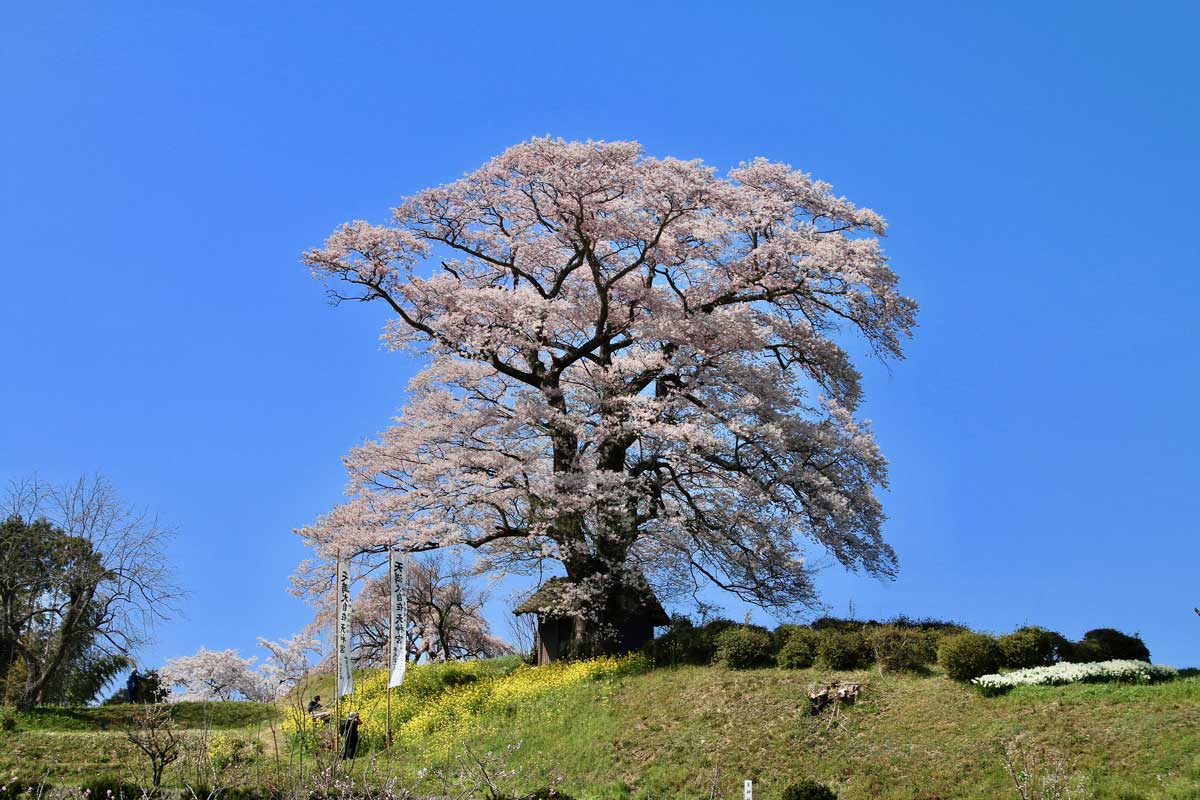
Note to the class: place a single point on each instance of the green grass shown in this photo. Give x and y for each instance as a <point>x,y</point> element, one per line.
<point>668,732</point>
<point>114,717</point>
<point>77,746</point>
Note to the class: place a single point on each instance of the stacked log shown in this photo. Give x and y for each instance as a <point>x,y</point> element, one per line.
<point>820,697</point>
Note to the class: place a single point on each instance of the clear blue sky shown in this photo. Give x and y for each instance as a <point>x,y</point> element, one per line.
<point>163,170</point>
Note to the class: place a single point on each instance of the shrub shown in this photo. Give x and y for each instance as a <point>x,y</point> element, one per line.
<point>808,790</point>
<point>843,650</point>
<point>685,643</point>
<point>227,750</point>
<point>837,624</point>
<point>1030,646</point>
<point>1084,652</point>
<point>800,649</point>
<point>744,647</point>
<point>927,624</point>
<point>898,649</point>
<point>458,677</point>
<point>1060,645</point>
<point>936,638</point>
<point>968,655</point>
<point>8,721</point>
<point>436,677</point>
<point>780,635</point>
<point>1116,645</point>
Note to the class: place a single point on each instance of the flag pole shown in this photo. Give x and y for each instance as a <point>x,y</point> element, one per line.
<point>391,640</point>
<point>337,659</point>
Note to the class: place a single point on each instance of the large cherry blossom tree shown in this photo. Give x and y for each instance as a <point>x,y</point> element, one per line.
<point>633,366</point>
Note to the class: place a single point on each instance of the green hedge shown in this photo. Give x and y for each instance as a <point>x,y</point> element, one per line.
<point>968,655</point>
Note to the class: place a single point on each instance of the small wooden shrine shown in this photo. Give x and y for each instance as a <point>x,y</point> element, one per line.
<point>555,631</point>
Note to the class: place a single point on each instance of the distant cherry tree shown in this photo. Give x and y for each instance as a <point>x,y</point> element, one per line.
<point>214,675</point>
<point>288,661</point>
<point>225,675</point>
<point>633,366</point>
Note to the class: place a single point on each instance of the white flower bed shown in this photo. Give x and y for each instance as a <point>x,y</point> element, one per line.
<point>1119,670</point>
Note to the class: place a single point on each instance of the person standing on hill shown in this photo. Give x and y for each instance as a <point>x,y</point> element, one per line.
<point>133,684</point>
<point>349,731</point>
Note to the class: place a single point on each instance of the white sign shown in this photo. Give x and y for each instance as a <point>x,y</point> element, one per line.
<point>345,668</point>
<point>748,791</point>
<point>399,654</point>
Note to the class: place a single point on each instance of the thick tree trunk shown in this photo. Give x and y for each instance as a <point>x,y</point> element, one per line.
<point>598,634</point>
<point>40,673</point>
<point>596,631</point>
<point>596,557</point>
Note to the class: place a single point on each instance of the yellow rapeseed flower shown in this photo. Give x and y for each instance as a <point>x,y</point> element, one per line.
<point>441,704</point>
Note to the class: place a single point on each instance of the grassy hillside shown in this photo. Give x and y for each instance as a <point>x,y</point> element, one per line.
<point>86,745</point>
<point>220,716</point>
<point>670,732</point>
<point>907,738</point>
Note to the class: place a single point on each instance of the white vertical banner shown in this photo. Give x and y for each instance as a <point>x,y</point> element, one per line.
<point>345,668</point>
<point>399,654</point>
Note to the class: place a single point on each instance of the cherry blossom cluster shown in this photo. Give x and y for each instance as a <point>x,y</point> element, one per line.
<point>225,675</point>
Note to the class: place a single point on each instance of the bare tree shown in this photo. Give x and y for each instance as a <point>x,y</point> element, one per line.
<point>522,628</point>
<point>443,600</point>
<point>152,731</point>
<point>445,609</point>
<point>82,571</point>
<point>1039,773</point>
